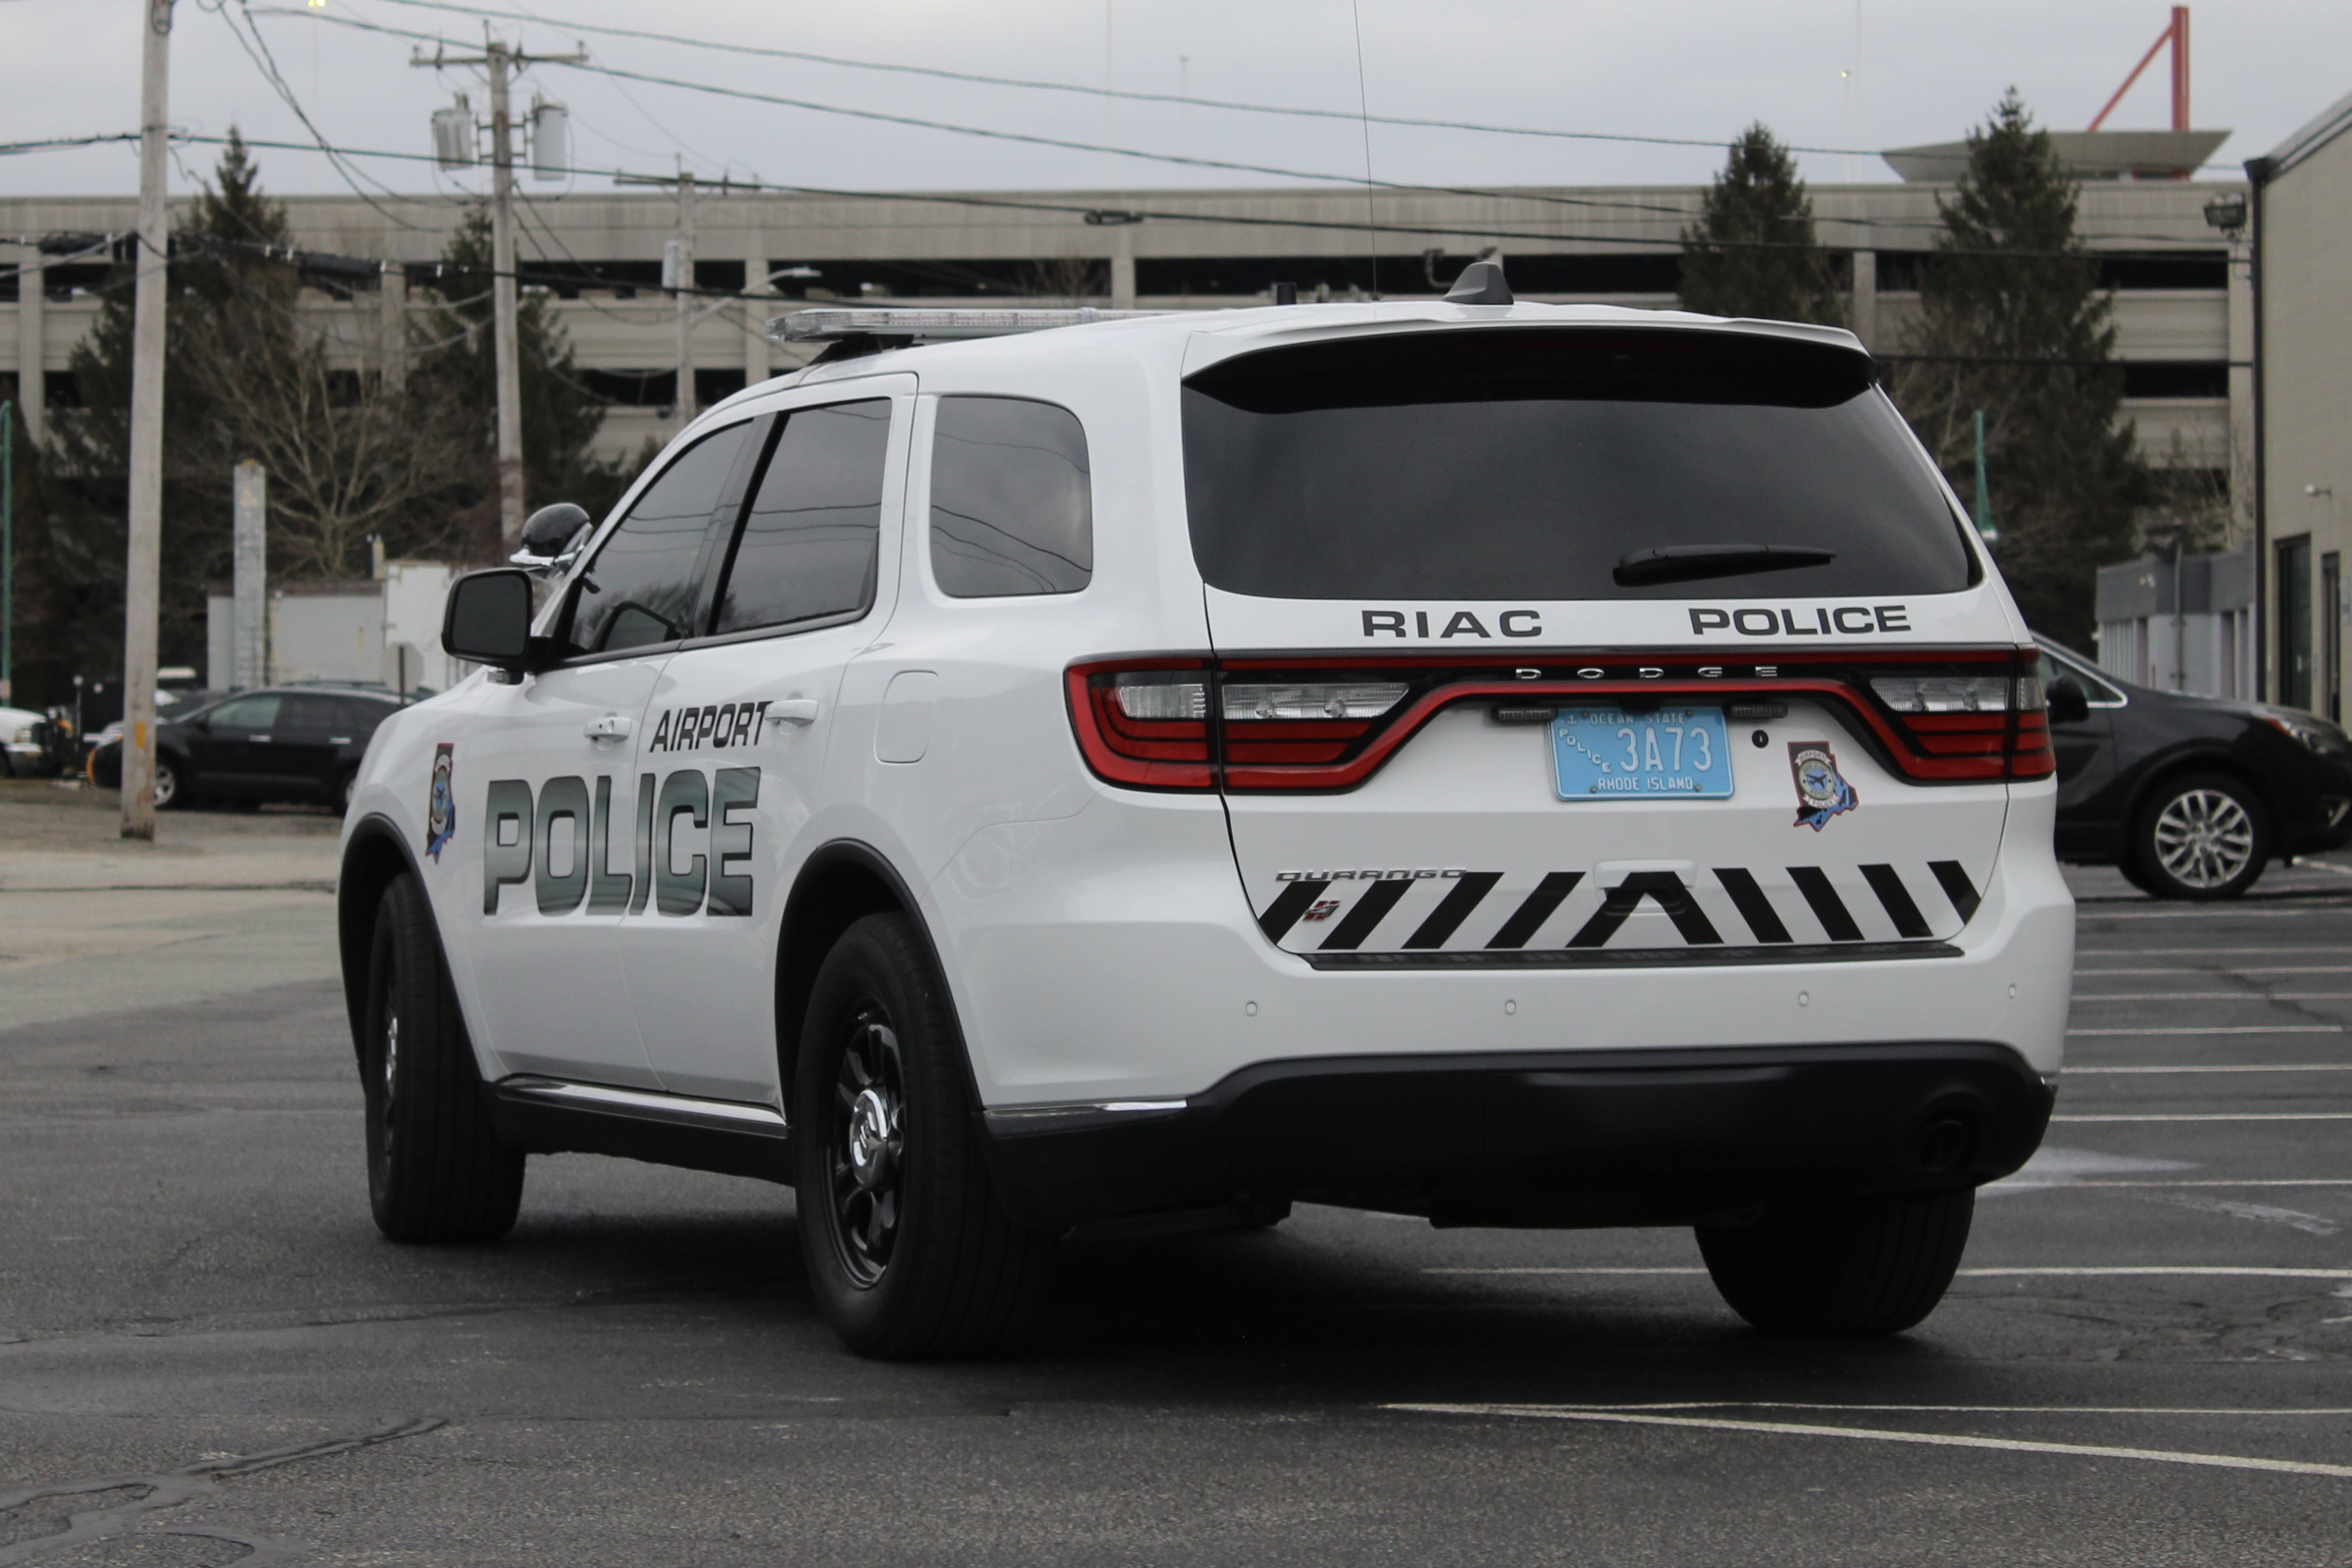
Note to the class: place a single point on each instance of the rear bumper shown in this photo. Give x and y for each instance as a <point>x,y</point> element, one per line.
<point>1559,1139</point>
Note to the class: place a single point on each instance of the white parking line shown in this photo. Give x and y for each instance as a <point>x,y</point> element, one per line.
<point>2218,996</point>
<point>2154,1271</point>
<point>2264,1067</point>
<point>1878,1434</point>
<point>2270,951</point>
<point>2239,970</point>
<point>2266,1412</point>
<point>2219,1116</point>
<point>2300,911</point>
<point>2228,1028</point>
<point>2246,1181</point>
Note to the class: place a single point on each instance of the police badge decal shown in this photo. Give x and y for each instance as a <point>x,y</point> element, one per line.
<point>441,811</point>
<point>1821,790</point>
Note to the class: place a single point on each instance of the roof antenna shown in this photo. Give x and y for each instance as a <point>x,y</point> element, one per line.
<point>1364,118</point>
<point>1481,282</point>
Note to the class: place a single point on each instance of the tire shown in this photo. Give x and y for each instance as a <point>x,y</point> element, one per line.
<point>1841,1268</point>
<point>2201,836</point>
<point>909,1251</point>
<point>169,793</point>
<point>437,1172</point>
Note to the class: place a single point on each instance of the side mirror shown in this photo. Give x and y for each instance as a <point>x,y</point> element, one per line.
<point>487,620</point>
<point>551,539</point>
<point>2068,702</point>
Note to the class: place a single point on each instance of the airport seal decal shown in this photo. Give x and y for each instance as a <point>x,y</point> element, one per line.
<point>1821,790</point>
<point>441,811</point>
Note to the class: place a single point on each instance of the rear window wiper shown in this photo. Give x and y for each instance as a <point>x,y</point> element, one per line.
<point>1685,564</point>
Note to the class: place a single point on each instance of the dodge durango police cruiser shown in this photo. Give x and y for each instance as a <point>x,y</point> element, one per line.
<point>1509,764</point>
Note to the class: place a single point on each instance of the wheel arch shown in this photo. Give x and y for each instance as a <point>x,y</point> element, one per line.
<point>842,883</point>
<point>374,856</point>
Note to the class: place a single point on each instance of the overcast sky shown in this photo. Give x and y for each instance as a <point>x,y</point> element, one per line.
<point>1693,68</point>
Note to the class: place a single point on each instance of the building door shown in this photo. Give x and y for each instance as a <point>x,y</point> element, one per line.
<point>2294,651</point>
<point>2331,634</point>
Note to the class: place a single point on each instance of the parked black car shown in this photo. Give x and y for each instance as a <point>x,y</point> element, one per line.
<point>2187,797</point>
<point>279,743</point>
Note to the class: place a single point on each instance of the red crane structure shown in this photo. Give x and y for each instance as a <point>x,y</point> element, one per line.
<point>2176,33</point>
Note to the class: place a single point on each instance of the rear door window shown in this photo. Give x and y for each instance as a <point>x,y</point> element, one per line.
<point>1531,464</point>
<point>1012,500</point>
<point>809,545</point>
<point>640,589</point>
<point>254,712</point>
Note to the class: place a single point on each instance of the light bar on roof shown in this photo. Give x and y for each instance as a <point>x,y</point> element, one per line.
<point>914,321</point>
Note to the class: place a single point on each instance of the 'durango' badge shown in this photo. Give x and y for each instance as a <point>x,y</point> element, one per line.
<point>441,813</point>
<point>1821,790</point>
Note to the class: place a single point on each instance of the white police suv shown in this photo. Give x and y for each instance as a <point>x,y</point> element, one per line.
<point>1512,764</point>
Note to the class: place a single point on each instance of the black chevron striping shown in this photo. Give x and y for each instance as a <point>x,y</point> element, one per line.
<point>1753,906</point>
<point>1531,915</point>
<point>1370,910</point>
<point>1283,912</point>
<point>1957,887</point>
<point>1884,881</point>
<point>1626,897</point>
<point>1455,908</point>
<point>1828,908</point>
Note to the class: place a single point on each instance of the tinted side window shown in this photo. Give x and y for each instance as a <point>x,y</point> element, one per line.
<point>361,715</point>
<point>809,546</point>
<point>1012,500</point>
<point>246,713</point>
<point>309,713</point>
<point>640,588</point>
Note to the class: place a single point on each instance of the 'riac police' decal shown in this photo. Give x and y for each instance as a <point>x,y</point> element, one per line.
<point>518,832</point>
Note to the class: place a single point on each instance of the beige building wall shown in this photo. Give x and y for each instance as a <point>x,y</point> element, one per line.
<point>2304,246</point>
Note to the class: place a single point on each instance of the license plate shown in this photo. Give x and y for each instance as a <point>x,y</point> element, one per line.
<point>1603,753</point>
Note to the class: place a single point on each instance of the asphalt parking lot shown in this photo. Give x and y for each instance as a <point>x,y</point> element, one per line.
<point>207,1355</point>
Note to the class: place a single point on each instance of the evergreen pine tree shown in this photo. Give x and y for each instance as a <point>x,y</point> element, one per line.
<point>86,473</point>
<point>1753,251</point>
<point>560,416</point>
<point>2012,283</point>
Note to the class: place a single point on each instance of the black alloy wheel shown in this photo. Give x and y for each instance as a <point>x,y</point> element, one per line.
<point>908,1250</point>
<point>436,1171</point>
<point>866,1144</point>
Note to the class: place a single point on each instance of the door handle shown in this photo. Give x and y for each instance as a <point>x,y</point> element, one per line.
<point>612,727</point>
<point>795,710</point>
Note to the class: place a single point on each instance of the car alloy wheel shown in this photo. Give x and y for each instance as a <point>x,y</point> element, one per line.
<point>868,1145</point>
<point>167,784</point>
<point>2204,838</point>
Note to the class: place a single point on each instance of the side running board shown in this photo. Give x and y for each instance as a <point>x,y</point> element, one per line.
<point>551,1115</point>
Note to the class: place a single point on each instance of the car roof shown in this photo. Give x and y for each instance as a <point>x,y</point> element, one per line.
<point>1193,338</point>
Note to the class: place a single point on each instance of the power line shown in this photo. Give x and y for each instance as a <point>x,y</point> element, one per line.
<point>267,63</point>
<point>1185,101</point>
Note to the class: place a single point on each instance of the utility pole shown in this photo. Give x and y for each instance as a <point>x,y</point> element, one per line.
<point>677,273</point>
<point>7,547</point>
<point>682,278</point>
<point>142,576</point>
<point>503,60</point>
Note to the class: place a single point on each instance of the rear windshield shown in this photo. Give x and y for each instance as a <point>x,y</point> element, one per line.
<point>1531,464</point>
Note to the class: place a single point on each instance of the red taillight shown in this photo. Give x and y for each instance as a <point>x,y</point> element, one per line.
<point>1963,722</point>
<point>1144,722</point>
<point>1948,716</point>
